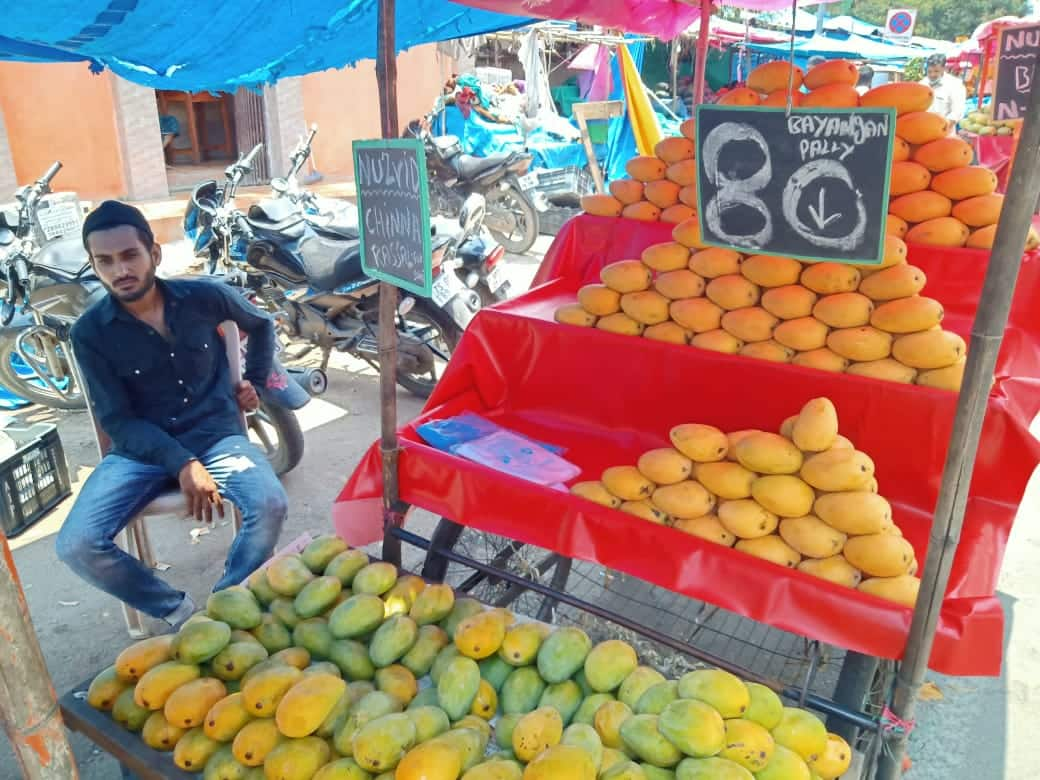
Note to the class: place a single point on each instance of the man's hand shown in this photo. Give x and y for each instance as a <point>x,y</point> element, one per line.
<point>245,394</point>
<point>201,492</point>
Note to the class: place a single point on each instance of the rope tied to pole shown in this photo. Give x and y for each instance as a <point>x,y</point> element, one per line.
<point>892,724</point>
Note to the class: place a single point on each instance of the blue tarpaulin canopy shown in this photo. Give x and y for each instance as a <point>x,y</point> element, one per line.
<point>848,47</point>
<point>199,45</point>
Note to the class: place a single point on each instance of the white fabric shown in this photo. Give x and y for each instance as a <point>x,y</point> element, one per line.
<point>949,97</point>
<point>539,96</point>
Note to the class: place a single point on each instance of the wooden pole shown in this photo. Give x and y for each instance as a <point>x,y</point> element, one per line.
<point>700,62</point>
<point>28,706</point>
<point>386,76</point>
<point>986,336</point>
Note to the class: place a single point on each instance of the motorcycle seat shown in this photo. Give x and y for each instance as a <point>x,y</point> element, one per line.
<point>273,216</point>
<point>470,167</point>
<point>63,260</point>
<point>328,262</point>
<point>338,231</point>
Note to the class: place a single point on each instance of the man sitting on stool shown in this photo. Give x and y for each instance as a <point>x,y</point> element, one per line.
<point>158,381</point>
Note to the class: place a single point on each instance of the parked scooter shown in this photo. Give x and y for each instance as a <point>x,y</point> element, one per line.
<point>512,201</point>
<point>46,288</point>
<point>310,278</point>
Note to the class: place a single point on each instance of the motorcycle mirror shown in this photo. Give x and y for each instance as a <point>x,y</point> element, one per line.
<point>279,185</point>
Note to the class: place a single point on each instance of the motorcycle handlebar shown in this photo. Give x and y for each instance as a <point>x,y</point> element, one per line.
<point>248,159</point>
<point>51,173</point>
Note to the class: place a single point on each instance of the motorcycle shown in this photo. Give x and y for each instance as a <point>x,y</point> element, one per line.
<point>46,288</point>
<point>308,274</point>
<point>512,202</point>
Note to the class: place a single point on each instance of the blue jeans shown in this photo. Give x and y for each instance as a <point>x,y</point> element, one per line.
<point>120,487</point>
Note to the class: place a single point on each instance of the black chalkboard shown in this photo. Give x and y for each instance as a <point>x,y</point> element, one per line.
<point>1017,50</point>
<point>394,210</point>
<point>812,184</point>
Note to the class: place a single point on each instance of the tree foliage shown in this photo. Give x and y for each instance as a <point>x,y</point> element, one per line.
<point>942,19</point>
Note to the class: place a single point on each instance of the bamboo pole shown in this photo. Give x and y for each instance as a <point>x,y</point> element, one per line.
<point>386,77</point>
<point>700,62</point>
<point>986,336</point>
<point>28,706</point>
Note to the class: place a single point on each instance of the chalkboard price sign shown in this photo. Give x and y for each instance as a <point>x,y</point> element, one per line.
<point>812,184</point>
<point>394,210</point>
<point>1017,51</point>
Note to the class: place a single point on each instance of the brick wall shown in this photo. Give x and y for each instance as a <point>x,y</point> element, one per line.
<point>8,180</point>
<point>137,122</point>
<point>283,107</point>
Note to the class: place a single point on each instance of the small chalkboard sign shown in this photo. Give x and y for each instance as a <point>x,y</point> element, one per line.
<point>394,210</point>
<point>811,184</point>
<point>1017,49</point>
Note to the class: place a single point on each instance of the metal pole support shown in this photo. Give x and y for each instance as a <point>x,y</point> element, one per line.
<point>986,336</point>
<point>28,706</point>
<point>386,77</point>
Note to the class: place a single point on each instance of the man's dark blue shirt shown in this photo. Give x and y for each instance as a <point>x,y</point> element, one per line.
<point>166,402</point>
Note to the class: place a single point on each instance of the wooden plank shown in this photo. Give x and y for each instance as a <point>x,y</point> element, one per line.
<point>125,746</point>
<point>583,112</point>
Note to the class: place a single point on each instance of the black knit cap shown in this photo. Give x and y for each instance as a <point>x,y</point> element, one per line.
<point>113,213</point>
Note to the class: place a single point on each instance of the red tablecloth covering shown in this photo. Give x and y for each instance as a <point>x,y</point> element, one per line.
<point>607,398</point>
<point>994,152</point>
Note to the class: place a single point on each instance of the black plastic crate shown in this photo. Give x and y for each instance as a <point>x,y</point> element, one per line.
<point>552,220</point>
<point>34,479</point>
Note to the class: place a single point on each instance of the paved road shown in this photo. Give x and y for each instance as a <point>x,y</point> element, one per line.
<point>981,730</point>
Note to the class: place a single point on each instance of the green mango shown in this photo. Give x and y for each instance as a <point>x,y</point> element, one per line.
<point>714,768</point>
<point>287,574</point>
<point>319,553</point>
<point>127,713</point>
<point>429,642</point>
<point>427,697</point>
<point>432,605</point>
<point>352,659</point>
<point>371,706</point>
<point>504,730</point>
<point>272,634</point>
<point>460,610</point>
<point>694,727</point>
<point>343,769</point>
<point>495,670</point>
<point>563,697</point>
<point>521,691</point>
<point>283,609</point>
<point>656,698</point>
<point>587,711</point>
<point>584,736</point>
<point>640,734</point>
<point>201,641</point>
<point>562,654</point>
<point>236,606</point>
<point>608,664</point>
<point>361,614</point>
<point>393,639</point>
<point>657,773</point>
<point>624,770</point>
<point>458,686</point>
<point>314,636</point>
<point>376,579</point>
<point>261,588</point>
<point>317,596</point>
<point>346,565</point>
<point>381,744</point>
<point>292,758</point>
<point>222,765</point>
<point>429,721</point>
<point>236,659</point>
<point>642,679</point>
<point>194,750</point>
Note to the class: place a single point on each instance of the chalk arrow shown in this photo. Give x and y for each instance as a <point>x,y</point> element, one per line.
<point>818,216</point>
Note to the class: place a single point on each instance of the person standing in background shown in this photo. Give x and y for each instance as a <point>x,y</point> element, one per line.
<point>866,76</point>
<point>949,94</point>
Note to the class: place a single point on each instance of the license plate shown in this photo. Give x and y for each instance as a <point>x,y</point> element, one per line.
<point>445,287</point>
<point>529,182</point>
<point>495,278</point>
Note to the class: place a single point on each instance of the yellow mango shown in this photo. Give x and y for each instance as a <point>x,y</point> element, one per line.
<point>835,759</point>
<point>880,555</point>
<point>647,307</point>
<point>830,278</point>
<point>698,315</point>
<point>812,537</point>
<point>907,315</point>
<point>749,324</point>
<point>770,271</point>
<point>802,335</point>
<point>679,284</point>
<point>822,359</point>
<point>901,589</point>
<point>684,173</point>
<point>670,256</point>
<point>668,332</point>
<point>770,350</point>
<point>948,378</point>
<point>747,519</point>
<point>706,527</point>
<point>860,344</point>
<point>747,743</point>
<point>783,494</point>
<point>717,341</point>
<point>159,734</point>
<point>307,703</point>
<point>683,499</point>
<point>134,661</point>
<point>262,693</point>
<point>105,689</point>
<point>159,682</point>
<point>844,310</point>
<point>725,479</point>
<point>599,299</point>
<point>833,569</point>
<point>663,466</point>
<point>899,281</point>
<point>607,722</point>
<point>645,168</point>
<point>838,470</point>
<point>626,276</point>
<point>789,302</point>
<point>479,636</point>
<point>771,548</point>
<point>574,314</point>
<point>535,732</point>
<point>621,324</point>
<point>626,191</point>
<point>646,510</point>
<point>699,443</point>
<point>255,741</point>
<point>194,750</point>
<point>601,205</point>
<point>187,706</point>
<point>802,732</point>
<point>768,453</point>
<point>887,369</point>
<point>732,291</point>
<point>596,492</point>
<point>430,761</point>
<point>816,426</point>
<point>226,718</point>
<point>297,758</point>
<point>688,233</point>
<point>627,483</point>
<point>854,512</point>
<point>561,762</point>
<point>714,262</point>
<point>929,349</point>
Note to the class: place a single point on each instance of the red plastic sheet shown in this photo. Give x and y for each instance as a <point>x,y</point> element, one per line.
<point>608,398</point>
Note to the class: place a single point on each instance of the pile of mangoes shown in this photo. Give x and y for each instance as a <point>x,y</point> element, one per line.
<point>331,667</point>
<point>868,321</point>
<point>983,123</point>
<point>937,196</point>
<point>802,498</point>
